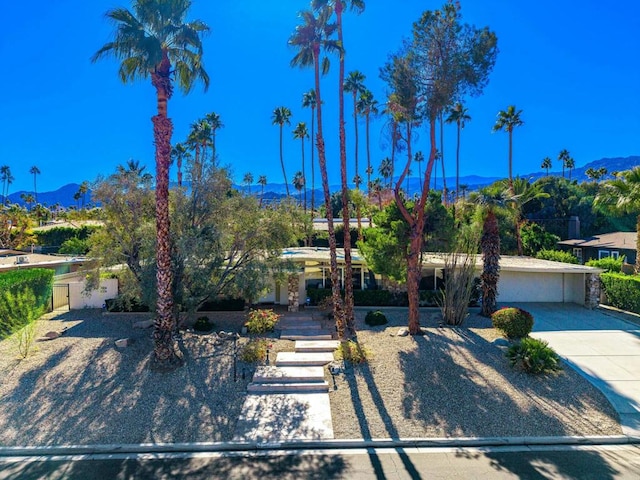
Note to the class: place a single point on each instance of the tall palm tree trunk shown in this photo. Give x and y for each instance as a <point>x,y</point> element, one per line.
<point>165,354</point>
<point>338,312</point>
<point>357,176</point>
<point>444,177</point>
<point>304,178</point>
<point>284,174</point>
<point>313,168</point>
<point>458,161</point>
<point>511,161</point>
<point>368,163</point>
<point>348,284</point>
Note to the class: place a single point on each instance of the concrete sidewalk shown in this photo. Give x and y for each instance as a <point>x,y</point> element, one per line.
<point>601,346</point>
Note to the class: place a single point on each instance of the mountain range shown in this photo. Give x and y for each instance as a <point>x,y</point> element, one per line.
<point>64,196</point>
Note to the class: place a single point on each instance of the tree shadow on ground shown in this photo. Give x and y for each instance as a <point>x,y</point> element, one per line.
<point>279,466</point>
<point>90,392</point>
<point>465,385</point>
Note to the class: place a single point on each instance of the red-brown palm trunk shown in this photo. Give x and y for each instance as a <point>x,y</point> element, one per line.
<point>322,161</point>
<point>166,354</point>
<point>348,281</point>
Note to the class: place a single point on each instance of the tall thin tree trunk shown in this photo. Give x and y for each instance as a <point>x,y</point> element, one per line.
<point>304,178</point>
<point>368,165</point>
<point>166,355</point>
<point>458,162</point>
<point>511,162</point>
<point>338,313</point>
<point>348,284</point>
<point>284,174</point>
<point>313,175</point>
<point>444,177</point>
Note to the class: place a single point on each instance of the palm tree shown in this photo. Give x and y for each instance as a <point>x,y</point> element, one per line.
<point>441,151</point>
<point>180,153</point>
<point>35,171</point>
<point>156,41</point>
<point>247,179</point>
<point>354,84</point>
<point>358,7</point>
<point>508,120</point>
<point>309,38</point>
<point>490,247</point>
<point>82,192</point>
<point>419,158</point>
<point>302,133</point>
<point>563,156</point>
<point>458,115</point>
<point>522,192</point>
<point>309,101</point>
<point>367,106</point>
<point>213,119</point>
<point>463,188</point>
<point>546,164</point>
<point>199,139</point>
<point>28,199</point>
<point>262,181</point>
<point>6,178</point>
<point>621,195</point>
<point>298,184</point>
<point>281,116</point>
<point>571,164</point>
<point>386,170</point>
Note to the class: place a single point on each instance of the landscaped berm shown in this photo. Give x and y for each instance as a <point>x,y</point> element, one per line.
<point>80,388</point>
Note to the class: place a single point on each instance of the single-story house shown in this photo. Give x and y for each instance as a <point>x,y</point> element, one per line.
<point>615,244</point>
<point>17,259</point>
<point>522,279</point>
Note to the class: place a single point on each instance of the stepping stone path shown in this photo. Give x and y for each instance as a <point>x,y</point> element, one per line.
<point>289,401</point>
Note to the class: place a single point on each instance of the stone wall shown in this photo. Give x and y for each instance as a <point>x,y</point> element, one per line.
<point>592,290</point>
<point>293,286</point>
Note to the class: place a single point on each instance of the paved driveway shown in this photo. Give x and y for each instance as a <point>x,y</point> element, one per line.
<point>602,346</point>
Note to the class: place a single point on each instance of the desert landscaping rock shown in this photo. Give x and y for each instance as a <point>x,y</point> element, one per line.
<point>51,335</point>
<point>403,332</point>
<point>123,342</point>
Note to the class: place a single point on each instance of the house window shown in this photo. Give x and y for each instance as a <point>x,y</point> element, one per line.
<point>603,254</point>
<point>577,252</point>
<point>615,254</point>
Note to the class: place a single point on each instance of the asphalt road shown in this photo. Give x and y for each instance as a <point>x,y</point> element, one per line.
<point>553,462</point>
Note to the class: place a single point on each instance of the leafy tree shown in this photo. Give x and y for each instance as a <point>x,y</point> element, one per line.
<point>282,116</point>
<point>447,60</point>
<point>309,101</point>
<point>301,133</point>
<point>508,120</point>
<point>14,226</point>
<point>459,115</point>
<point>311,37</point>
<point>156,41</point>
<point>535,238</point>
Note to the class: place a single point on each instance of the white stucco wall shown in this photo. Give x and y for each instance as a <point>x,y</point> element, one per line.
<point>78,298</point>
<point>541,287</point>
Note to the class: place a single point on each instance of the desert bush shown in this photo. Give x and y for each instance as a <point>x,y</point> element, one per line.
<point>458,287</point>
<point>556,256</point>
<point>24,295</point>
<point>534,356</point>
<point>254,351</point>
<point>21,317</point>
<point>513,322</point>
<point>353,352</point>
<point>203,324</point>
<point>261,320</point>
<point>622,291</point>
<point>610,264</point>
<point>375,317</point>
<point>125,304</point>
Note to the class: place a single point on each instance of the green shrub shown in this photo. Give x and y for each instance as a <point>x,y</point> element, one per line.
<point>373,298</point>
<point>513,322</point>
<point>203,324</point>
<point>74,246</point>
<point>622,291</point>
<point>317,295</point>
<point>534,356</point>
<point>125,304</point>
<point>261,321</point>
<point>24,295</point>
<point>609,263</point>
<point>375,318</point>
<point>556,256</point>
<point>354,352</point>
<point>254,351</point>
<point>57,236</point>
<point>430,298</point>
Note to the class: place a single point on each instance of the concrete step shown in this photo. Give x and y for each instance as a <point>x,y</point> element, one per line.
<point>310,325</point>
<point>303,359</point>
<point>316,345</point>
<point>303,387</point>
<point>300,335</point>
<point>274,374</point>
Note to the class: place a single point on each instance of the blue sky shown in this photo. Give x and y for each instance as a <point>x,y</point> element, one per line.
<point>572,67</point>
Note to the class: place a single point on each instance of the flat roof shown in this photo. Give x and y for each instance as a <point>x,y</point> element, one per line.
<point>437,260</point>
<point>12,259</point>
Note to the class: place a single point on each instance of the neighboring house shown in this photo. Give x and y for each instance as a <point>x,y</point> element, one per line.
<point>616,245</point>
<point>16,259</point>
<point>522,279</point>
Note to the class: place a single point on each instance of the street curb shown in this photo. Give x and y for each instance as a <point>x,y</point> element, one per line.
<point>158,448</point>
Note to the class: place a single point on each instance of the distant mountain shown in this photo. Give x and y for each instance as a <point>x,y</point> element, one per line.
<point>274,191</point>
<point>63,196</point>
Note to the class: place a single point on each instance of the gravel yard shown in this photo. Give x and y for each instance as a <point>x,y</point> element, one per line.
<point>81,389</point>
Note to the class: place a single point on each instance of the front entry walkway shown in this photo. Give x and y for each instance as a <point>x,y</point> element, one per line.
<point>600,345</point>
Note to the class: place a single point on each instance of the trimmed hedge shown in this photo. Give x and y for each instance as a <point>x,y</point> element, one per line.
<point>557,256</point>
<point>55,237</point>
<point>375,318</point>
<point>377,298</point>
<point>35,284</point>
<point>513,322</point>
<point>610,264</point>
<point>623,291</point>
